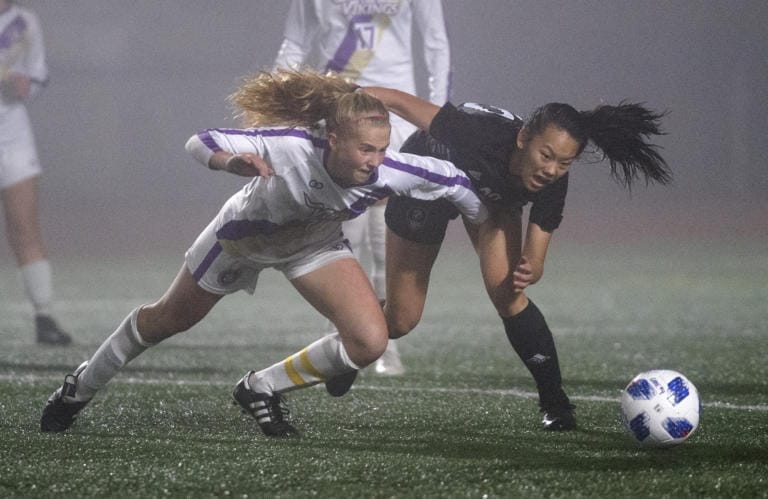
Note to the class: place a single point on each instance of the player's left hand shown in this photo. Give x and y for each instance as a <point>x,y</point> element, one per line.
<point>522,277</point>
<point>249,165</point>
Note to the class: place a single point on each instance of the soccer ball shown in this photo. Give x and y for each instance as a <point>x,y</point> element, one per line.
<point>660,408</point>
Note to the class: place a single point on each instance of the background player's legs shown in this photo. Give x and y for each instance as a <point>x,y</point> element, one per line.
<point>25,239</point>
<point>377,246</point>
<point>367,237</point>
<point>389,364</point>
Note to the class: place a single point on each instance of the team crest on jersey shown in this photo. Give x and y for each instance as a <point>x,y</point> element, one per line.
<point>353,8</point>
<point>416,218</point>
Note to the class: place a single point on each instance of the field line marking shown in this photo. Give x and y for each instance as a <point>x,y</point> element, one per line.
<point>34,379</point>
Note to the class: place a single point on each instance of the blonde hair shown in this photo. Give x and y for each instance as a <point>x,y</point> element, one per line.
<point>304,97</point>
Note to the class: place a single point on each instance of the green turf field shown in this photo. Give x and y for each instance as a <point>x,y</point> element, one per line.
<point>462,422</point>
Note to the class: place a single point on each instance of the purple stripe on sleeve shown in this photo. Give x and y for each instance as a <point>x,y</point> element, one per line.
<point>271,132</point>
<point>428,175</point>
<point>207,140</point>
<point>207,261</point>
<point>348,45</point>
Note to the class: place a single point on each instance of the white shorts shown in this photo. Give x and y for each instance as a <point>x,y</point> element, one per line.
<point>18,155</point>
<point>221,273</point>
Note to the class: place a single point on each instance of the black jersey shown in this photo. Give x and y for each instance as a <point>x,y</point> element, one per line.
<point>479,139</point>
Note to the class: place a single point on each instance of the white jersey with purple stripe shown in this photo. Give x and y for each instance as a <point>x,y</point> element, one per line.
<point>369,41</point>
<point>21,51</point>
<point>301,207</point>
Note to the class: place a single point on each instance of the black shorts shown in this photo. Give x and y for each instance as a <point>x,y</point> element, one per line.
<point>415,219</point>
<point>418,220</point>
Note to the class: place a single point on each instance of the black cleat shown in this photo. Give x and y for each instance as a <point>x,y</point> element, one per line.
<point>559,419</point>
<point>61,410</point>
<point>268,410</point>
<point>49,333</point>
<point>340,385</point>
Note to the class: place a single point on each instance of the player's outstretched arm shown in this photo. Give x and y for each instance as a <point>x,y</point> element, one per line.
<point>210,153</point>
<point>409,107</point>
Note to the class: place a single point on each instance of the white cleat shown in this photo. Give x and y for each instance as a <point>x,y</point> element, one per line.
<point>389,364</point>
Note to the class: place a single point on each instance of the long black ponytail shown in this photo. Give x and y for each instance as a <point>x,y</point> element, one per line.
<point>620,132</point>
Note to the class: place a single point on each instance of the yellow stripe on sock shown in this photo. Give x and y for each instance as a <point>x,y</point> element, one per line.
<point>293,374</point>
<point>307,365</point>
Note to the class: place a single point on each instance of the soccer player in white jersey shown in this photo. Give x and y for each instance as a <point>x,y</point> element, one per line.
<point>23,73</point>
<point>370,42</point>
<point>326,161</point>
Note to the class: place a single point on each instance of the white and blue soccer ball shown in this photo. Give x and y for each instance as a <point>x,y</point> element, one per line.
<point>660,408</point>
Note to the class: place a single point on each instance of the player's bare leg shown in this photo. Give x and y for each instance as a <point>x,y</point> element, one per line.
<point>182,306</point>
<point>361,338</point>
<point>524,324</point>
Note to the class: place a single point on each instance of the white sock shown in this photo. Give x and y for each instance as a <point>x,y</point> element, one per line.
<point>377,231</point>
<point>38,284</point>
<point>124,345</point>
<point>320,361</point>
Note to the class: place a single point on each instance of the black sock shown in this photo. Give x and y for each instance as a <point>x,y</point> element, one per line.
<point>532,340</point>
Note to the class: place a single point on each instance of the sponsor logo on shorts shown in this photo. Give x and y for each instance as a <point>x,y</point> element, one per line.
<point>416,218</point>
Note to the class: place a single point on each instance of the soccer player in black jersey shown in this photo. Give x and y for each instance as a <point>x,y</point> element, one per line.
<point>511,163</point>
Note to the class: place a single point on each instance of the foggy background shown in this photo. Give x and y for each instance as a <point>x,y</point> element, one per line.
<point>131,81</point>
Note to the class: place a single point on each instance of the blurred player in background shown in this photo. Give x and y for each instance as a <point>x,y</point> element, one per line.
<point>23,73</point>
<point>319,155</point>
<point>369,42</point>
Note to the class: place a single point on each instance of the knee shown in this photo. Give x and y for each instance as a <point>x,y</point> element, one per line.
<point>363,349</point>
<point>507,301</point>
<point>399,325</point>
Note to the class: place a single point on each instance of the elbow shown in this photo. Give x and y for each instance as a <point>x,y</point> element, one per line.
<point>198,149</point>
<point>192,144</point>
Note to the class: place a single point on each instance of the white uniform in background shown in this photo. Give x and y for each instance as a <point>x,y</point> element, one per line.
<point>21,51</point>
<point>292,221</point>
<point>370,42</point>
